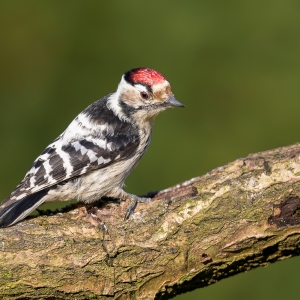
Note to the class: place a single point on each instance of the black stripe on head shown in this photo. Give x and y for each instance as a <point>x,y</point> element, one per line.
<point>128,75</point>
<point>129,79</point>
<point>144,76</point>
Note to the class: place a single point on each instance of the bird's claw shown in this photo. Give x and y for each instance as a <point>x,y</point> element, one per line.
<point>134,200</point>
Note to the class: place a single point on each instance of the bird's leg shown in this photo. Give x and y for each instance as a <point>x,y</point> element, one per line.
<point>134,200</point>
<point>123,196</point>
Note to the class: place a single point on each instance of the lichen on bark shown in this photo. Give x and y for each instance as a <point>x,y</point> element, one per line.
<point>237,217</point>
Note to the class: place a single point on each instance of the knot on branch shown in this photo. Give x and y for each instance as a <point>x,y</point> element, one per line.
<point>286,213</point>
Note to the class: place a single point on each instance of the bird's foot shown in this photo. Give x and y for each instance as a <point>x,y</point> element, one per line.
<point>134,200</point>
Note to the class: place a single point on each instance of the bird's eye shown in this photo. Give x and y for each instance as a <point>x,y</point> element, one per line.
<point>144,95</point>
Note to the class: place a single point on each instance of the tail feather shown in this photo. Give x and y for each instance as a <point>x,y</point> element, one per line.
<point>20,209</point>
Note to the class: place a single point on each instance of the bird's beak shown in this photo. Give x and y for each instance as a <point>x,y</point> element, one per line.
<point>173,102</point>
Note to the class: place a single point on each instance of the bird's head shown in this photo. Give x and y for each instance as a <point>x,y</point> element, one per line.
<point>145,93</point>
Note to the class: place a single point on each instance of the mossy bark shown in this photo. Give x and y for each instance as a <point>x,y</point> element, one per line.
<point>237,217</point>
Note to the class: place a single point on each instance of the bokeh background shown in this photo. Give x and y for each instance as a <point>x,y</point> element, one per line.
<point>235,64</point>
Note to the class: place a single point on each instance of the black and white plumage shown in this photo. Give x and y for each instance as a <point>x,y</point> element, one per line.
<point>97,151</point>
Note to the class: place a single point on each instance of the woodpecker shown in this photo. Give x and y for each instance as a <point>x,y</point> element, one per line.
<point>98,150</point>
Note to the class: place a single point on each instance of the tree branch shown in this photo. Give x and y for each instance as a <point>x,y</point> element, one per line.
<point>237,217</point>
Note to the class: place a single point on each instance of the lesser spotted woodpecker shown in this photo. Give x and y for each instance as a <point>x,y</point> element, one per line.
<point>94,155</point>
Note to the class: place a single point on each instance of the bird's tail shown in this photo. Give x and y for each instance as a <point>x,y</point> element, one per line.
<point>20,209</point>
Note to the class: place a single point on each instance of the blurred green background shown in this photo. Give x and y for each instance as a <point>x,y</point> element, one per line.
<point>235,64</point>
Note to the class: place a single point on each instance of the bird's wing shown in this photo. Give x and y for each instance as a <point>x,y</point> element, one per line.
<point>62,161</point>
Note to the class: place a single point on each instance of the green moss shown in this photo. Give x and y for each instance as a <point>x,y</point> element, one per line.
<point>8,274</point>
